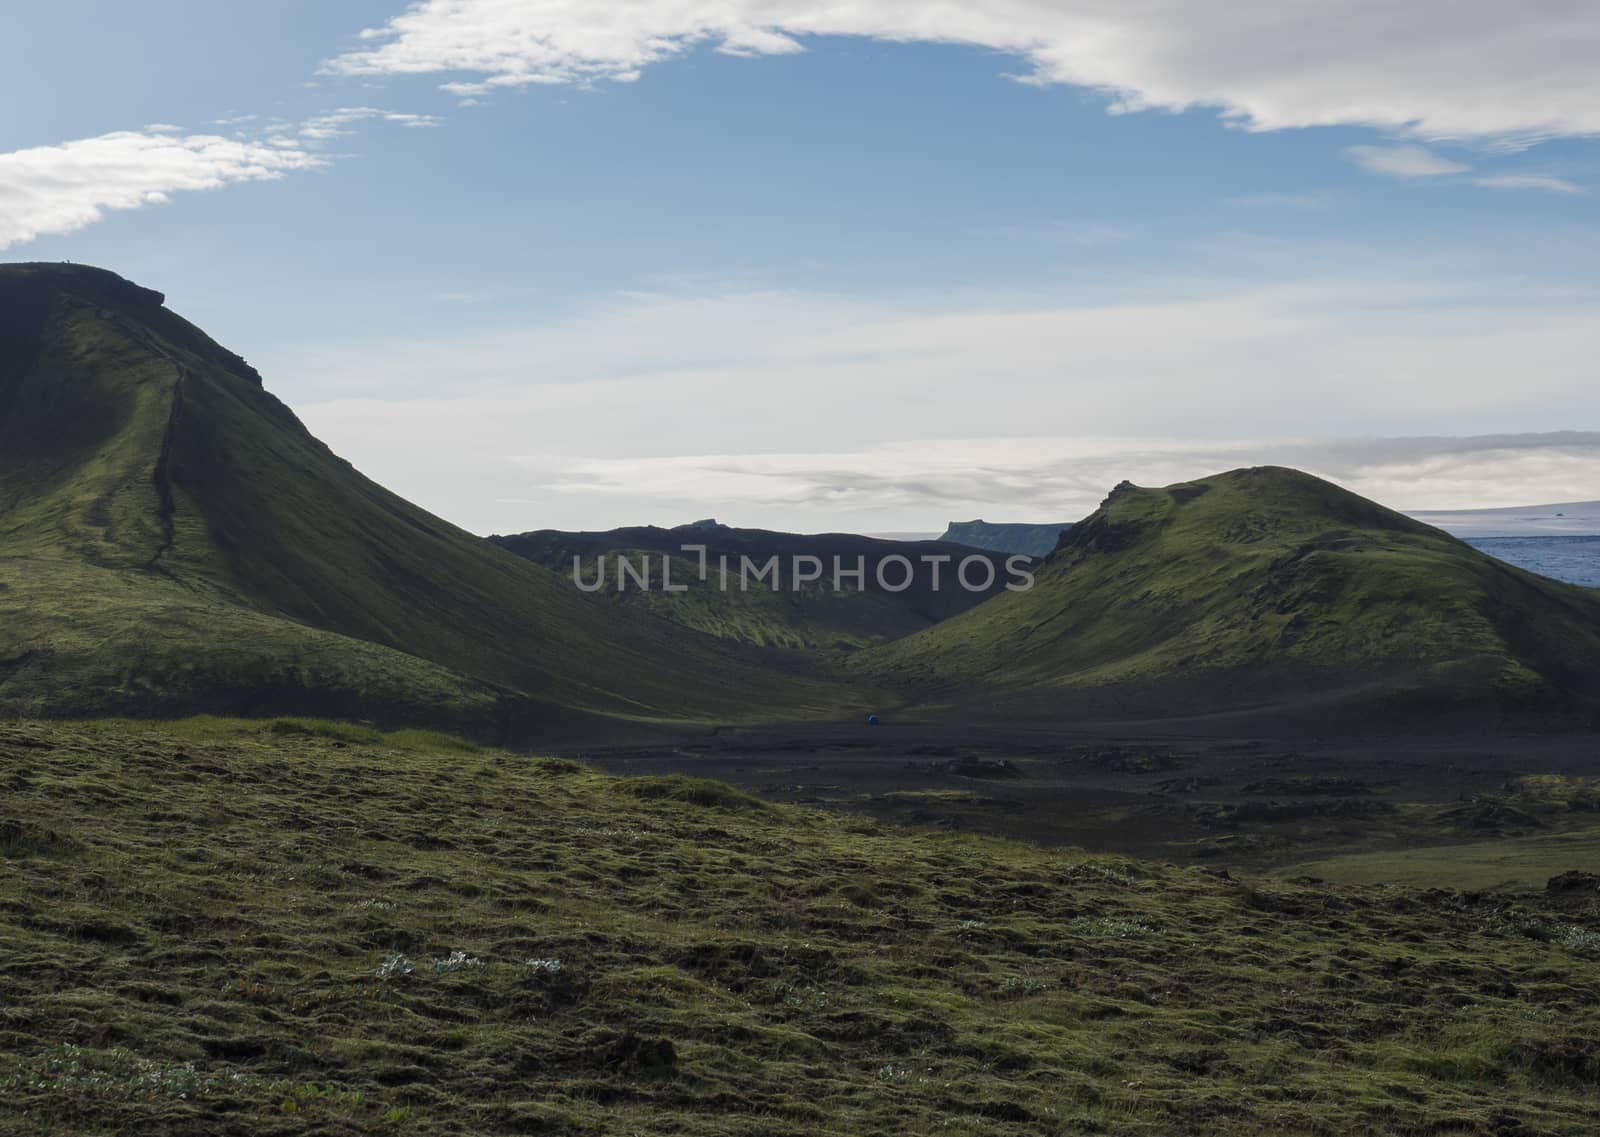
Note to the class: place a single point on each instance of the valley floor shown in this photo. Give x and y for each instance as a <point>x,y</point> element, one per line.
<point>294,927</point>
<point>1499,809</point>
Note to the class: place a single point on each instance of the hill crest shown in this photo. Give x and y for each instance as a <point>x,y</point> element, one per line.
<point>1259,573</point>
<point>172,538</point>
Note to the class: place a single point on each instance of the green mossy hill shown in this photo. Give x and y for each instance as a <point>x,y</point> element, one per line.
<point>1268,570</point>
<point>305,928</point>
<point>172,538</point>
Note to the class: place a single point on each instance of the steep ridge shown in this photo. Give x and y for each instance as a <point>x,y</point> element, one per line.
<point>172,538</point>
<point>1266,583</point>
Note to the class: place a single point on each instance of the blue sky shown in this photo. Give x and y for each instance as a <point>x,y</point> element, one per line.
<point>840,266</point>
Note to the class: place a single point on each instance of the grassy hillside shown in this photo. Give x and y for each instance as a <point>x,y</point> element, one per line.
<point>1265,571</point>
<point>172,538</point>
<point>296,927</point>
<point>815,615</point>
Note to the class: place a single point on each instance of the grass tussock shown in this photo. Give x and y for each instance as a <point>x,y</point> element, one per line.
<point>690,791</point>
<point>214,728</point>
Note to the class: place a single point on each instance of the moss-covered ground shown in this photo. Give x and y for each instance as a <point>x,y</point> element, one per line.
<point>295,927</point>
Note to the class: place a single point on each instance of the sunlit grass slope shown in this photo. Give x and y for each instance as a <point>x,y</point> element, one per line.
<point>298,927</point>
<point>172,537</point>
<point>1262,569</point>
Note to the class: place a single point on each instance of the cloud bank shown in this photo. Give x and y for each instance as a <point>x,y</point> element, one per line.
<point>61,189</point>
<point>1449,68</point>
<point>1047,479</point>
<point>814,410</point>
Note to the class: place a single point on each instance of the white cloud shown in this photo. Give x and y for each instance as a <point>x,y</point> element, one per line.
<point>60,189</point>
<point>811,410</point>
<point>750,42</point>
<point>338,123</point>
<point>1403,161</point>
<point>1529,181</point>
<point>1462,68</point>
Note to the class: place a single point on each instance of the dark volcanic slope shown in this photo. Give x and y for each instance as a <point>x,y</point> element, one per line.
<point>1258,582</point>
<point>171,537</point>
<point>814,615</point>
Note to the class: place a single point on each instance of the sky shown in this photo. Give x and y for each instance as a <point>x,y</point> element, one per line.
<point>851,264</point>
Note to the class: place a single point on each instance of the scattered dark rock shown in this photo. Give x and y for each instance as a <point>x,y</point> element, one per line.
<point>982,768</point>
<point>1574,892</point>
<point>1490,815</point>
<point>1255,812</point>
<point>1568,883</point>
<point>969,766</point>
<point>1305,787</point>
<point>1121,760</point>
<point>1185,785</point>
